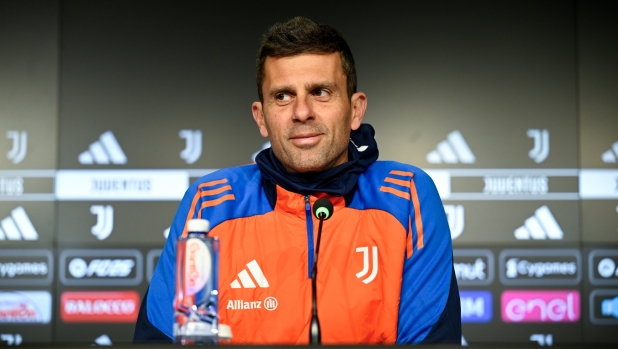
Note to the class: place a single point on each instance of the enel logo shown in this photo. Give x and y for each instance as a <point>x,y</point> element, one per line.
<point>540,306</point>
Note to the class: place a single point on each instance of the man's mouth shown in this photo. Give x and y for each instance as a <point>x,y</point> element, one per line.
<point>306,139</point>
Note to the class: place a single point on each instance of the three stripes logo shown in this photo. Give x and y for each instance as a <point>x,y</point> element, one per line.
<point>17,226</point>
<point>401,184</point>
<point>611,155</point>
<point>247,281</point>
<point>103,152</point>
<point>541,226</point>
<point>540,151</point>
<point>452,150</point>
<point>105,221</point>
<point>20,145</point>
<point>193,148</point>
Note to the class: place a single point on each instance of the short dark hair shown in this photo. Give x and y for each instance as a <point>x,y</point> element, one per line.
<point>302,35</point>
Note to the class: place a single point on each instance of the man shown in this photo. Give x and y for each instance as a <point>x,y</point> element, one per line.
<point>385,256</point>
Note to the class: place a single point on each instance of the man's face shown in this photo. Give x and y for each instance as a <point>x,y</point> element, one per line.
<point>306,111</point>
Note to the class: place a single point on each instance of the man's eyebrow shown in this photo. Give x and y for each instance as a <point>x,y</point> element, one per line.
<point>317,85</point>
<point>280,89</point>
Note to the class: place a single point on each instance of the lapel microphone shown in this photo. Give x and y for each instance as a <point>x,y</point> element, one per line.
<point>322,209</point>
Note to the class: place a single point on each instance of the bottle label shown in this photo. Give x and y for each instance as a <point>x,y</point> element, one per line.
<point>198,266</point>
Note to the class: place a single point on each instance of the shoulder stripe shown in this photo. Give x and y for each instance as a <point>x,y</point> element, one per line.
<point>402,173</point>
<point>203,194</point>
<point>401,194</point>
<point>211,183</point>
<point>417,216</point>
<point>215,191</point>
<point>409,243</point>
<point>215,202</point>
<point>396,181</point>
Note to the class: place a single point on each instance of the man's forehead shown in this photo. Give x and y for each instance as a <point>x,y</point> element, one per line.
<point>305,64</point>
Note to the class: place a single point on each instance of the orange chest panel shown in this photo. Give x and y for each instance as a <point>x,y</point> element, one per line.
<point>265,284</point>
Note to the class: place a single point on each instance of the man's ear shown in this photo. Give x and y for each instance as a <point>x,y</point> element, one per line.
<point>359,105</point>
<point>258,116</point>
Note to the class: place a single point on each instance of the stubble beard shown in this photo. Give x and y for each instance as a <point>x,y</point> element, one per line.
<point>328,153</point>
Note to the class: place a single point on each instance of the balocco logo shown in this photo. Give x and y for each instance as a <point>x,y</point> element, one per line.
<point>121,306</point>
<point>78,268</point>
<point>270,303</point>
<point>101,267</point>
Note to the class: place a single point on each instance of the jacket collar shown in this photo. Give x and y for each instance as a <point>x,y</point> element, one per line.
<point>337,181</point>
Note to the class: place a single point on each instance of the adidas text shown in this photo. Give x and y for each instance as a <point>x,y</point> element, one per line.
<point>239,304</point>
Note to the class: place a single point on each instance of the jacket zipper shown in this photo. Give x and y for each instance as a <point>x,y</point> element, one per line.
<point>310,244</point>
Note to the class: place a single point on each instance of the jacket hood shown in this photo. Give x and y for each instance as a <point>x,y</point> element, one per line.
<point>337,181</point>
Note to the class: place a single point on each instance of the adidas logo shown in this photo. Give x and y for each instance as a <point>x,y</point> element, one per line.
<point>17,226</point>
<point>103,151</point>
<point>541,226</point>
<point>451,151</point>
<point>246,280</point>
<point>611,155</point>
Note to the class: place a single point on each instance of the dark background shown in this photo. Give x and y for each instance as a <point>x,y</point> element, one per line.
<point>72,70</point>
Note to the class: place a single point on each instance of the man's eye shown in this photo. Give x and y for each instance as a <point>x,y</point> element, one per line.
<point>320,93</point>
<point>282,97</point>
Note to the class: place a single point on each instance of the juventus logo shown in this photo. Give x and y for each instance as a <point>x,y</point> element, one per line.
<point>20,145</point>
<point>541,144</point>
<point>455,218</point>
<point>374,269</point>
<point>105,221</point>
<point>193,149</point>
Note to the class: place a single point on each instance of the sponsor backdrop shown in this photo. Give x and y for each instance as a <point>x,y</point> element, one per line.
<point>109,110</point>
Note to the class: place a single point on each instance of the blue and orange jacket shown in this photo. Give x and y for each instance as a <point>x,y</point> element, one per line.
<point>385,266</point>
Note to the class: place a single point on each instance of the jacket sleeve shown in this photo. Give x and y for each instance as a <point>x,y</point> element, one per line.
<point>429,309</point>
<point>156,316</point>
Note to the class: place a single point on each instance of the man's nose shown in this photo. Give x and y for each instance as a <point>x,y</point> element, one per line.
<point>303,110</point>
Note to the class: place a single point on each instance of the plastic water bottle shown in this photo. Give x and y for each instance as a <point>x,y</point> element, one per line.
<point>196,317</point>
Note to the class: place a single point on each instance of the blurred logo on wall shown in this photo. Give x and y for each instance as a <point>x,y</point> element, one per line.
<point>17,226</point>
<point>25,307</point>
<point>119,306</point>
<point>152,259</point>
<point>473,267</point>
<point>540,267</point>
<point>540,306</point>
<point>19,148</point>
<point>105,221</point>
<point>453,150</point>
<point>602,268</point>
<point>11,339</point>
<point>101,267</point>
<point>604,307</point>
<point>26,267</point>
<point>264,146</point>
<point>193,145</point>
<point>455,218</point>
<point>475,306</point>
<point>610,156</point>
<point>104,151</point>
<point>540,151</point>
<point>541,226</point>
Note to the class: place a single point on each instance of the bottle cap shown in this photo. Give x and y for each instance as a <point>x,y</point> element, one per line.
<point>198,226</point>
